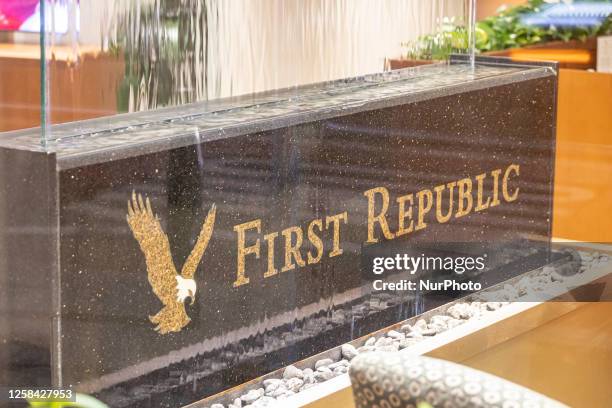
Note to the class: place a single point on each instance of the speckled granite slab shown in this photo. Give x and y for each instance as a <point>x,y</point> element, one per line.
<point>138,249</point>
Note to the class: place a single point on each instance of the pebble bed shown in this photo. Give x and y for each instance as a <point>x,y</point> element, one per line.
<point>295,380</point>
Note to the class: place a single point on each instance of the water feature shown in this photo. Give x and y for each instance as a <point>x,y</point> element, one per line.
<point>294,177</point>
<point>159,53</point>
<point>272,122</point>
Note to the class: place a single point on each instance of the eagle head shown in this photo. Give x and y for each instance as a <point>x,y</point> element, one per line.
<point>185,288</point>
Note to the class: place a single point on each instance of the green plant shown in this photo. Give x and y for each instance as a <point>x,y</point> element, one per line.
<point>499,32</point>
<point>81,401</point>
<point>506,30</point>
<point>449,39</point>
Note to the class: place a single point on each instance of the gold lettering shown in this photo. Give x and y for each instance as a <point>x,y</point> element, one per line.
<point>465,196</point>
<point>403,214</point>
<point>292,251</point>
<point>335,219</point>
<point>439,189</point>
<point>423,208</point>
<point>495,200</point>
<point>380,218</point>
<point>315,240</point>
<point>507,196</point>
<point>479,204</point>
<point>243,250</point>
<point>271,268</point>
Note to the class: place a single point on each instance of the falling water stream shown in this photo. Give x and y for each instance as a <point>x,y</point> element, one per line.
<point>472,33</point>
<point>181,51</point>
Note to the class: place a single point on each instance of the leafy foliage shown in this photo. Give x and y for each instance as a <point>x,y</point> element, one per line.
<point>82,401</point>
<point>502,31</point>
<point>505,30</point>
<point>449,39</point>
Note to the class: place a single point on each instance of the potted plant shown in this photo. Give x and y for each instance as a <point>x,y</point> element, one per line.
<point>506,32</point>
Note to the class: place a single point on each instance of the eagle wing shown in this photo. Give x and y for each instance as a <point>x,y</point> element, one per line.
<point>191,264</point>
<point>155,246</point>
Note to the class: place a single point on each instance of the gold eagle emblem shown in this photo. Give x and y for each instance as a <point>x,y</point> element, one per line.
<point>171,288</point>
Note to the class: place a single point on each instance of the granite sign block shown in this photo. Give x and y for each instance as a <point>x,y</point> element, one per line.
<point>188,253</point>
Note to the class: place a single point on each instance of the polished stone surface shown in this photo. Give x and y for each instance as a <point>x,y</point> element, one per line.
<point>300,174</point>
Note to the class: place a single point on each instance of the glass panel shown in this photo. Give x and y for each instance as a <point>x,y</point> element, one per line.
<point>244,165</point>
<point>19,65</point>
<point>110,57</point>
